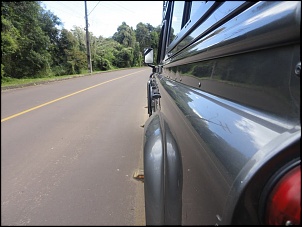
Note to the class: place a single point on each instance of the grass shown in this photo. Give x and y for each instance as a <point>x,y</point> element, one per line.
<point>12,82</point>
<point>8,83</point>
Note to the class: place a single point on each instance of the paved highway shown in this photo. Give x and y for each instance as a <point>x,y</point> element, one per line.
<point>69,150</point>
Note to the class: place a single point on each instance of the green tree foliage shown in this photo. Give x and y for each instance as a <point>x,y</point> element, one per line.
<point>137,55</point>
<point>9,44</point>
<point>143,36</point>
<point>74,59</point>
<point>106,51</point>
<point>125,57</point>
<point>147,36</point>
<point>49,23</point>
<point>34,45</point>
<point>30,48</point>
<point>125,35</point>
<point>80,36</point>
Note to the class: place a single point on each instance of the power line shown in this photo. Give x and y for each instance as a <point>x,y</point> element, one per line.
<point>121,6</point>
<point>78,5</point>
<point>69,8</point>
<point>93,8</point>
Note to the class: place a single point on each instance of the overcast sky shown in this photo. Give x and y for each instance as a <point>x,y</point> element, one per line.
<point>104,17</point>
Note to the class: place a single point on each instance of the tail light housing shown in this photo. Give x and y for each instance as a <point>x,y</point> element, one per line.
<point>284,200</point>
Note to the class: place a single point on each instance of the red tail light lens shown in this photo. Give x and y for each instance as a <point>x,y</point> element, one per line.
<point>284,204</point>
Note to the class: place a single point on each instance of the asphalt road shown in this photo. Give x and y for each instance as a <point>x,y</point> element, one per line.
<point>69,150</point>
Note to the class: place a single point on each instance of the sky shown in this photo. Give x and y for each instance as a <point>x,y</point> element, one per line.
<point>104,17</point>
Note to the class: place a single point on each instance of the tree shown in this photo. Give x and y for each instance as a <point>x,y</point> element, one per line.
<point>106,52</point>
<point>80,36</point>
<point>137,56</point>
<point>72,58</point>
<point>147,36</point>
<point>25,45</point>
<point>125,57</point>
<point>143,36</point>
<point>9,44</point>
<point>32,45</point>
<point>125,35</point>
<point>49,23</point>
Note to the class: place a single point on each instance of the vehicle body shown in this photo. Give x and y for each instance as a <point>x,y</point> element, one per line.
<point>222,141</point>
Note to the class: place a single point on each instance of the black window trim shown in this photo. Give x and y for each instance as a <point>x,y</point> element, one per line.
<point>192,22</point>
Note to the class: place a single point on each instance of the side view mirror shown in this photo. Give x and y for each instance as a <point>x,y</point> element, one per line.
<point>148,54</point>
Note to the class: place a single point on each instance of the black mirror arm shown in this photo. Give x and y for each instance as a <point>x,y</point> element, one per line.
<point>154,68</point>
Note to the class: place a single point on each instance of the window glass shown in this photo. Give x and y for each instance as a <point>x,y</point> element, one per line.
<point>176,19</point>
<point>195,6</point>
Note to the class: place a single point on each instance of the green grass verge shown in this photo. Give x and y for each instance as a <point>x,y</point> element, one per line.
<point>8,83</point>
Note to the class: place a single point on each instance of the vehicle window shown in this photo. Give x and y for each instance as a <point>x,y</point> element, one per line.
<point>185,15</point>
<point>176,19</point>
<point>195,6</point>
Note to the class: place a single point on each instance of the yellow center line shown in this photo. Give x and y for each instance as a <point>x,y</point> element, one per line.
<point>55,100</point>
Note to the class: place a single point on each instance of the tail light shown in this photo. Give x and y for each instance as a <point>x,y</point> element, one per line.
<point>284,201</point>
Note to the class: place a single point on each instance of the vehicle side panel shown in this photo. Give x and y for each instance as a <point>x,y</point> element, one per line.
<point>220,143</point>
<point>229,109</point>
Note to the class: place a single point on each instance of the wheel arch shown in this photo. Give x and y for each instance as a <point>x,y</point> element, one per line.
<point>162,173</point>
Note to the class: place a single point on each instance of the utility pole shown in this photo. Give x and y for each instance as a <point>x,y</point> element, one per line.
<point>87,41</point>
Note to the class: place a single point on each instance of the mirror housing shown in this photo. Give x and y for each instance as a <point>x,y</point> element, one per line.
<point>148,59</point>
<point>148,54</point>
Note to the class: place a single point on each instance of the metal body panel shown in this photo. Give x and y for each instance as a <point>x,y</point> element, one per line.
<point>221,143</point>
<point>154,171</point>
<point>229,104</point>
<point>253,79</point>
<point>163,173</point>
